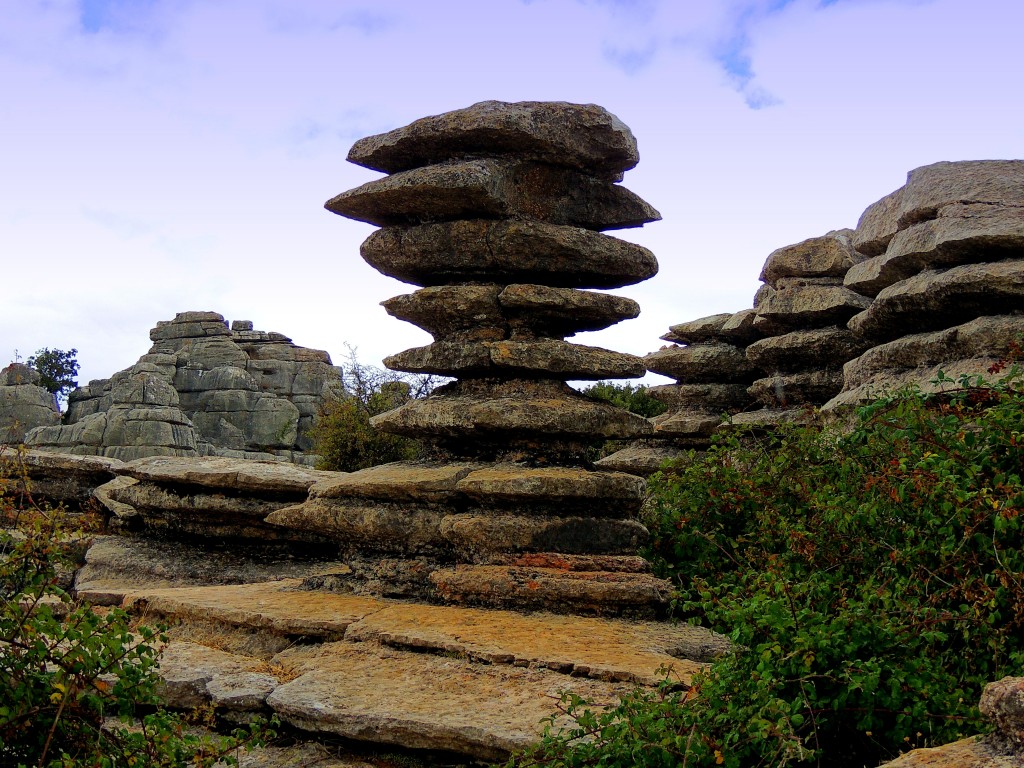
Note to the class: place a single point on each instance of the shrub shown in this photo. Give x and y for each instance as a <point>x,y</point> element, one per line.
<point>635,398</point>
<point>77,685</point>
<point>872,580</point>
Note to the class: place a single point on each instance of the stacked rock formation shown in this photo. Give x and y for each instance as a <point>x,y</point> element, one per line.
<point>711,378</point>
<point>945,278</point>
<point>496,210</point>
<point>801,314</point>
<point>233,392</point>
<point>24,404</point>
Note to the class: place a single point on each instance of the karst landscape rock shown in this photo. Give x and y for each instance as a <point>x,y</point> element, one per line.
<point>445,604</point>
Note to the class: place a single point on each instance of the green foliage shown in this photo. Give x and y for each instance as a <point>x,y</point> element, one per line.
<point>57,370</point>
<point>872,580</point>
<point>77,684</point>
<point>343,436</point>
<point>635,398</point>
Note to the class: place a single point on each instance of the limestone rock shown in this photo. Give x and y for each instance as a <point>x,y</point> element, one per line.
<point>828,256</point>
<point>494,189</point>
<point>798,303</point>
<point>24,404</point>
<point>507,251</point>
<point>399,482</point>
<point>572,490</point>
<point>961,234</point>
<point>807,387</point>
<point>640,459</point>
<point>581,136</point>
<point>937,298</point>
<point>878,224</point>
<point>517,358</point>
<point>692,424</point>
<point>797,350</point>
<point>701,363</point>
<point>67,479</point>
<point>716,397</point>
<point>1002,702</point>
<point>193,675</point>
<point>472,535</point>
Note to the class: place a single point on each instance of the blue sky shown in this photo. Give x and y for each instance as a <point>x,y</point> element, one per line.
<point>167,155</point>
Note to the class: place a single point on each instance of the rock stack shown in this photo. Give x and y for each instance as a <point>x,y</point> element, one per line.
<point>236,392</point>
<point>496,211</point>
<point>711,378</point>
<point>801,314</point>
<point>24,404</point>
<point>945,277</point>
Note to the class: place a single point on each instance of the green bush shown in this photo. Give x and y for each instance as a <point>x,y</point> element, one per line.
<point>633,397</point>
<point>872,580</point>
<point>78,684</point>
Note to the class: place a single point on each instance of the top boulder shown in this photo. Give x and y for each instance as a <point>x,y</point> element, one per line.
<point>581,136</point>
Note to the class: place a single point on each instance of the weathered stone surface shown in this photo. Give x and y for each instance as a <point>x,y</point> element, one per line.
<point>475,534</point>
<point>488,359</point>
<point>224,474</point>
<point>494,189</point>
<point>766,418</point>
<point>736,328</point>
<point>193,675</point>
<point>798,350</point>
<point>714,397</point>
<point>878,224</point>
<point>960,234</point>
<point>524,588</point>
<point>399,482</point>
<point>24,405</point>
<point>507,251</point>
<point>710,363</point>
<point>933,187</point>
<point>1002,702</point>
<point>501,411</point>
<point>937,298</point>
<point>118,565</point>
<point>970,348</point>
<point>808,387</point>
<point>807,302</point>
<point>975,752</point>
<point>62,478</point>
<point>687,424</point>
<point>572,490</point>
<point>582,136</point>
<point>828,256</point>
<point>640,460</point>
<point>494,312</point>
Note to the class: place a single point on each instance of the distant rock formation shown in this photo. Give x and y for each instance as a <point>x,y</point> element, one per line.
<point>24,404</point>
<point>202,390</point>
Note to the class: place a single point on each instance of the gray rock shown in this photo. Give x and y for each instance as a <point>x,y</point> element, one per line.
<point>684,423</point>
<point>715,397</point>
<point>960,234</point>
<point>517,358</point>
<point>508,251</point>
<point>710,363</point>
<point>939,298</point>
<point>474,534</point>
<point>641,460</point>
<point>798,350</point>
<point>828,256</point>
<point>581,136</point>
<point>808,387</point>
<point>24,405</point>
<point>495,189</point>
<point>799,303</point>
<point>878,224</point>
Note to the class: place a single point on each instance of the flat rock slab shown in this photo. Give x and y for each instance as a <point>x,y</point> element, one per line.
<point>494,189</point>
<point>398,481</point>
<point>598,493</point>
<point>799,303</point>
<point>640,460</point>
<point>828,256</point>
<point>224,473</point>
<point>940,298</point>
<point>508,251</point>
<point>975,752</point>
<point>709,362</point>
<point>555,358</point>
<point>611,649</point>
<point>733,328</point>
<point>195,674</point>
<point>416,700</point>
<point>808,387</point>
<point>711,396</point>
<point>496,312</point>
<point>582,136</point>
<point>799,350</point>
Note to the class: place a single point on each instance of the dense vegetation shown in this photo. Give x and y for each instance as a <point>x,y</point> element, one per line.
<point>872,579</point>
<point>632,397</point>
<point>57,371</point>
<point>77,683</point>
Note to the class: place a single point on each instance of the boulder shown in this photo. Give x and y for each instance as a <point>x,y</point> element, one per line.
<point>24,404</point>
<point>828,256</point>
<point>705,363</point>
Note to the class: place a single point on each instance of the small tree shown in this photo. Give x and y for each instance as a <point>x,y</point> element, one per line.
<point>634,398</point>
<point>57,370</point>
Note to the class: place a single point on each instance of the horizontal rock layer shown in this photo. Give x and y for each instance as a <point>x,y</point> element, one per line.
<point>709,363</point>
<point>828,256</point>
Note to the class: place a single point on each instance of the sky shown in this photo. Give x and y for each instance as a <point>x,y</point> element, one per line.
<point>159,156</point>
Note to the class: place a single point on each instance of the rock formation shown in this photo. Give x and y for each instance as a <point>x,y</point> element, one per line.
<point>945,276</point>
<point>202,389</point>
<point>496,210</point>
<point>24,404</point>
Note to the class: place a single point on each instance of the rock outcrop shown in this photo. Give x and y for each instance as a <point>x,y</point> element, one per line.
<point>496,212</point>
<point>24,404</point>
<point>202,389</point>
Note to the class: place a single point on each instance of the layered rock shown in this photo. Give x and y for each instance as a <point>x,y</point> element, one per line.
<point>239,393</point>
<point>496,212</point>
<point>707,361</point>
<point>24,404</point>
<point>945,277</point>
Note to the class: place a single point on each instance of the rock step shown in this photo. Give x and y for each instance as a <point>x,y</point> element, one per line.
<point>548,358</point>
<point>643,460</point>
<point>493,189</point>
<point>473,681</point>
<point>496,312</point>
<point>582,136</point>
<point>801,350</point>
<point>734,328</point>
<point>505,252</point>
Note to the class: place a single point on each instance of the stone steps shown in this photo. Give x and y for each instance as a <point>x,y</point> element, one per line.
<point>472,681</point>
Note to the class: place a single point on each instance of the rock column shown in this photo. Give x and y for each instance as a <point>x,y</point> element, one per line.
<point>496,211</point>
